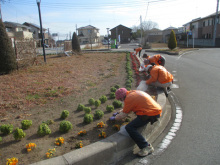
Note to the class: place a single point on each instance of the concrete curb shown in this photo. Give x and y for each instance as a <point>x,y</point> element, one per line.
<point>114,148</point>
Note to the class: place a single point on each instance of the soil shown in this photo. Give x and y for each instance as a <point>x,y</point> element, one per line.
<point>42,91</point>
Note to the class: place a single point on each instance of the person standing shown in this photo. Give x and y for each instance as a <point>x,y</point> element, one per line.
<point>146,109</point>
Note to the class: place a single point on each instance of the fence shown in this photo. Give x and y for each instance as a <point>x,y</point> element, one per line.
<point>201,42</point>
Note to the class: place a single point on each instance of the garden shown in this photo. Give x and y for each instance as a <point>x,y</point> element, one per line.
<point>50,109</point>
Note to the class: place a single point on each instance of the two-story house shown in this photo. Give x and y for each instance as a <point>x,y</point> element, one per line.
<point>121,33</point>
<point>35,29</point>
<point>18,31</point>
<point>88,35</point>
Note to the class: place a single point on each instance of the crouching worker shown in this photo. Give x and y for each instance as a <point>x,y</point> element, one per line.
<point>159,77</point>
<point>157,59</point>
<point>146,109</point>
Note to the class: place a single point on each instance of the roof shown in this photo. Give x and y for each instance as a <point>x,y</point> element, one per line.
<point>120,25</point>
<point>14,24</point>
<point>170,28</point>
<point>88,27</point>
<point>33,25</point>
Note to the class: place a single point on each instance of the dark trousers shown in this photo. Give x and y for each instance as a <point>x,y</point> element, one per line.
<point>138,122</point>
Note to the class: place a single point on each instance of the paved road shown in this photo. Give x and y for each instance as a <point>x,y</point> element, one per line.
<point>197,77</point>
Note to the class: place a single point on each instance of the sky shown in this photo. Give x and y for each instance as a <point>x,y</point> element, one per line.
<point>64,16</point>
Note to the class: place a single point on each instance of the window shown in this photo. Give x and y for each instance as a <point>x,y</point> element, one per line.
<point>203,24</point>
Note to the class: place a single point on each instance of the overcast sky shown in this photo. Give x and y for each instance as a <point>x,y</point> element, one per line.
<point>62,16</point>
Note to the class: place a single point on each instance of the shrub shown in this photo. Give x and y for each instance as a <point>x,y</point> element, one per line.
<point>117,86</point>
<point>64,114</point>
<point>0,139</point>
<point>7,129</point>
<point>88,118</point>
<point>112,95</point>
<point>25,124</point>
<point>43,130</point>
<point>103,99</point>
<point>48,122</point>
<point>113,89</point>
<point>117,104</point>
<point>19,134</point>
<point>75,44</point>
<point>97,103</point>
<point>7,53</point>
<point>172,41</point>
<point>65,126</point>
<point>110,108</point>
<point>87,110</point>
<point>80,107</point>
<point>99,114</point>
<point>91,101</point>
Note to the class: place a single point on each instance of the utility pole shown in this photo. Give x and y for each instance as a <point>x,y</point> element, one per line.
<point>141,27</point>
<point>216,16</point>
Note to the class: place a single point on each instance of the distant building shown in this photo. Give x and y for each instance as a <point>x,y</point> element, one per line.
<point>166,33</point>
<point>88,35</point>
<point>18,31</point>
<point>154,35</point>
<point>121,33</point>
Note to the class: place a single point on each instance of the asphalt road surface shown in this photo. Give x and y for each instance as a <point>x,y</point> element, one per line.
<point>196,86</point>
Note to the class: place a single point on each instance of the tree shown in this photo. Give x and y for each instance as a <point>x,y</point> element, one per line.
<point>75,44</point>
<point>172,41</point>
<point>7,53</point>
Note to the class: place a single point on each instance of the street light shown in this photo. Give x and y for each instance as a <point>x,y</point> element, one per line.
<point>108,36</point>
<point>41,30</point>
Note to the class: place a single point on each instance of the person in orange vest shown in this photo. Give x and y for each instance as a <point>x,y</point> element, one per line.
<point>157,59</point>
<point>146,109</point>
<point>159,77</point>
<point>138,50</point>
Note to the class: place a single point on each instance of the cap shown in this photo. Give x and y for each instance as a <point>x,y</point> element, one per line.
<point>120,93</point>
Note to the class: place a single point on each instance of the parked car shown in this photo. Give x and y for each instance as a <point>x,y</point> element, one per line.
<point>105,42</point>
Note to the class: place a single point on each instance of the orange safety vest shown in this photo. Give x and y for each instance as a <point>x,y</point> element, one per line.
<point>159,73</point>
<point>141,103</point>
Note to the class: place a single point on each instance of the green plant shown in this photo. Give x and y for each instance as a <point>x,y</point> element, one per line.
<point>97,103</point>
<point>113,89</point>
<point>117,104</point>
<point>50,153</point>
<point>127,120</point>
<point>6,128</point>
<point>91,101</point>
<point>75,44</point>
<point>172,43</point>
<point>79,144</point>
<point>19,134</point>
<point>80,107</point>
<point>117,86</point>
<point>88,118</point>
<point>48,122</point>
<point>64,114</point>
<point>87,110</point>
<point>112,95</point>
<point>65,126</point>
<point>0,139</point>
<point>43,130</point>
<point>7,53</point>
<point>103,99</point>
<point>25,124</point>
<point>110,108</point>
<point>98,114</point>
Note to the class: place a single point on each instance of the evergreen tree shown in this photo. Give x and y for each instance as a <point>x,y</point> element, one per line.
<point>7,53</point>
<point>75,44</point>
<point>172,43</point>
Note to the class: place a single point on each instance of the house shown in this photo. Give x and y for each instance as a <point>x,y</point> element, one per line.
<point>88,35</point>
<point>201,30</point>
<point>166,33</point>
<point>35,29</point>
<point>155,35</point>
<point>18,31</point>
<point>121,33</point>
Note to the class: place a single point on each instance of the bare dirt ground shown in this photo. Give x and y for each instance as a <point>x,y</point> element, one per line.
<point>41,92</point>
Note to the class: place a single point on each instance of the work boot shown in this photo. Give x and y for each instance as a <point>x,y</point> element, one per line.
<point>146,151</point>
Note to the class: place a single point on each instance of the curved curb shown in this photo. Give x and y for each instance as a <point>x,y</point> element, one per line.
<point>113,148</point>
